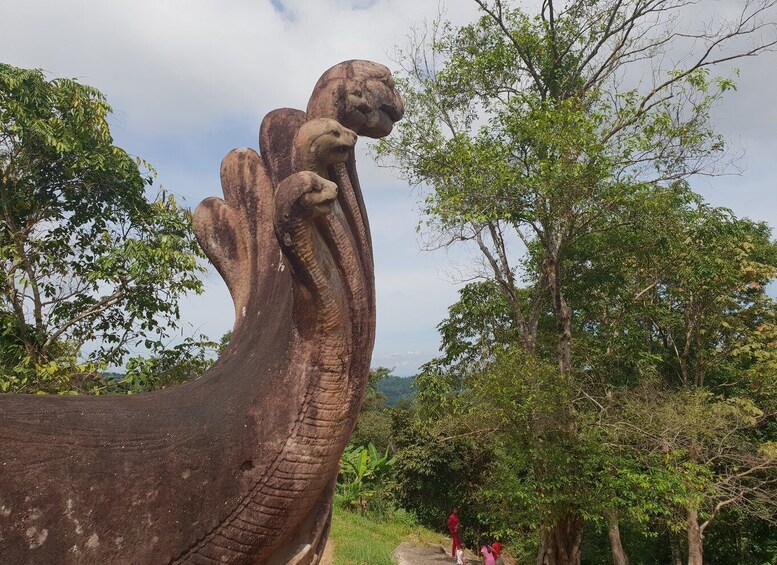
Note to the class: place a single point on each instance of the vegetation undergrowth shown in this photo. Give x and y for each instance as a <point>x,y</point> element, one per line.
<point>371,538</point>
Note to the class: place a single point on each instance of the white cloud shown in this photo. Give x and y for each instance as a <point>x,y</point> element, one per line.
<point>187,64</point>
<point>190,79</point>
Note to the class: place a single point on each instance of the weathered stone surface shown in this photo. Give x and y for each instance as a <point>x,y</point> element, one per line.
<point>239,465</point>
<point>408,553</point>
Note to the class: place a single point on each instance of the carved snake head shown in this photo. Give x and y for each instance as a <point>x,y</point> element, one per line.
<point>319,196</point>
<point>321,142</point>
<point>360,95</point>
<point>305,195</point>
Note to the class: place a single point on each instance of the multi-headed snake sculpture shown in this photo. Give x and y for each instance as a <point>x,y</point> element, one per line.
<point>237,466</point>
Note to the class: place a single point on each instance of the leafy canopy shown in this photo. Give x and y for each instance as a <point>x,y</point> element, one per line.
<point>87,257</point>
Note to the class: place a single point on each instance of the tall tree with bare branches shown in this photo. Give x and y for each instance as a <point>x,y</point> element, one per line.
<point>535,130</point>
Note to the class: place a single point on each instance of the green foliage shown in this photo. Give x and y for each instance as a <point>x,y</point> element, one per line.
<point>435,471</point>
<point>373,398</point>
<point>396,390</point>
<point>478,326</point>
<point>374,422</point>
<point>604,274</point>
<point>86,256</point>
<point>741,540</point>
<point>63,375</point>
<point>362,472</point>
<point>628,382</point>
<point>168,366</point>
<point>224,341</point>
<point>703,451</point>
<point>373,426</point>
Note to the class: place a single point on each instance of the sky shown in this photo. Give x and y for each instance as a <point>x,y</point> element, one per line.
<point>189,80</point>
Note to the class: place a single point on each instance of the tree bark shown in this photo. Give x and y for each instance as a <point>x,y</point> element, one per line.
<point>695,539</point>
<point>675,548</point>
<point>560,542</point>
<point>562,312</point>
<point>619,556</point>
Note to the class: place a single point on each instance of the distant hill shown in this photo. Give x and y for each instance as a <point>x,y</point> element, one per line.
<point>396,388</point>
<point>112,375</point>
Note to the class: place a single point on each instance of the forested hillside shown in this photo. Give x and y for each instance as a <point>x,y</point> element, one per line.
<point>396,389</point>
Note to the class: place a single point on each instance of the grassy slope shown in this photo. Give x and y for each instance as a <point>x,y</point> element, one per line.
<point>365,539</point>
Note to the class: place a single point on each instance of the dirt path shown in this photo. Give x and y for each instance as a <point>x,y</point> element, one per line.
<point>412,554</point>
<point>409,553</point>
<point>328,557</point>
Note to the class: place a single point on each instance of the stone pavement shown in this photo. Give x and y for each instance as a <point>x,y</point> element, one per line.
<point>409,553</point>
<point>413,554</point>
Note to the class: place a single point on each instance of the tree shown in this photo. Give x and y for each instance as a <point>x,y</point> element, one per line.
<point>532,142</point>
<point>86,257</point>
<point>435,471</point>
<point>373,426</point>
<point>712,334</point>
<point>711,450</point>
<point>168,366</point>
<point>671,430</point>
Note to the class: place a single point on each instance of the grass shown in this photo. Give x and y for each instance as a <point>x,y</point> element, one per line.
<point>371,540</point>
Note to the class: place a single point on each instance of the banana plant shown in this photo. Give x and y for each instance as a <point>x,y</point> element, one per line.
<point>361,471</point>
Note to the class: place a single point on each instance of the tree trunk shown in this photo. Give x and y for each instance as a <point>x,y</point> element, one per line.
<point>676,549</point>
<point>562,312</point>
<point>560,542</point>
<point>695,539</point>
<point>619,556</point>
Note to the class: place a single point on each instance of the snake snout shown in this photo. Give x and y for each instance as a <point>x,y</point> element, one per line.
<point>328,191</point>
<point>319,199</point>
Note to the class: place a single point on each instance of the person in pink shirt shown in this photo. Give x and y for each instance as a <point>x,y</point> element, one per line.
<point>488,555</point>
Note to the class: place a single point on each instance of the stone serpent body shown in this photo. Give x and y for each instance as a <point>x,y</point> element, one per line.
<point>239,465</point>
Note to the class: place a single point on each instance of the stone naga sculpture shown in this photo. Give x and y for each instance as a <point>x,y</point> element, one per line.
<point>237,466</point>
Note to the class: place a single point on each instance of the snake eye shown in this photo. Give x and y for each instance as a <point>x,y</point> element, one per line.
<point>336,132</point>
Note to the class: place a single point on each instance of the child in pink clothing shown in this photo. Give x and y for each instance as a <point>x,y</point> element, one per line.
<point>488,555</point>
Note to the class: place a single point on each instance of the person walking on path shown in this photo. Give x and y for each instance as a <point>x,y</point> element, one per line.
<point>453,528</point>
<point>488,555</point>
<point>460,556</point>
<point>496,547</point>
